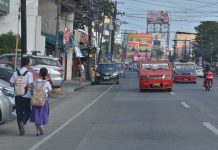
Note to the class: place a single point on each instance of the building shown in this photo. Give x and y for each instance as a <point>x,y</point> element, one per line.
<point>9,21</point>
<point>183,45</point>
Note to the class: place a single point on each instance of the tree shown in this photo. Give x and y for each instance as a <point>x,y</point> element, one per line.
<point>85,13</point>
<point>206,44</point>
<point>8,42</point>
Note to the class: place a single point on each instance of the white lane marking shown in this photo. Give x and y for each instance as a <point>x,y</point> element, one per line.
<point>35,146</point>
<point>185,105</point>
<point>210,127</point>
<point>172,93</point>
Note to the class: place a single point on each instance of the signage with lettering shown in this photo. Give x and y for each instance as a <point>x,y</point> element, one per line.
<point>4,6</point>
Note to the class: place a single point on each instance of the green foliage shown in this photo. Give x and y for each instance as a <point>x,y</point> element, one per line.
<point>206,41</point>
<point>85,13</point>
<point>8,42</point>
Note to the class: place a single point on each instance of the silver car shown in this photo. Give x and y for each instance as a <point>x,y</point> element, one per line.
<point>7,102</point>
<point>53,65</point>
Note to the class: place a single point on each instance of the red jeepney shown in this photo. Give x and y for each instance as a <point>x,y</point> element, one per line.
<point>155,75</point>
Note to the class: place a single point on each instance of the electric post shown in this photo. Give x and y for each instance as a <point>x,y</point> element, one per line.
<point>57,27</point>
<point>23,28</point>
<point>113,31</point>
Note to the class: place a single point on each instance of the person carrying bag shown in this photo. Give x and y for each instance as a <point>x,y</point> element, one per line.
<point>40,106</point>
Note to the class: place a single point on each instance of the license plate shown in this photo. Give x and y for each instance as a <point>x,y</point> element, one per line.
<point>156,84</point>
<point>106,77</point>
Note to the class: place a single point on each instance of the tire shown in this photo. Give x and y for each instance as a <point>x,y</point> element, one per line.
<point>117,82</point>
<point>141,90</point>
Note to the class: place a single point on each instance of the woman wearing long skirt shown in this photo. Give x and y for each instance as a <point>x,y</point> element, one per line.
<point>40,114</point>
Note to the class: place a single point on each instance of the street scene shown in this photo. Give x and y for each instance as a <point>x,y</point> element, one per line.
<point>108,75</point>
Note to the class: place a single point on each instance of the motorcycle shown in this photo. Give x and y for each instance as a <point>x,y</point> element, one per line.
<point>208,82</point>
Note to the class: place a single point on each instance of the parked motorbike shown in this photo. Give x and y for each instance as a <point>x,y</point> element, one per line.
<point>208,81</point>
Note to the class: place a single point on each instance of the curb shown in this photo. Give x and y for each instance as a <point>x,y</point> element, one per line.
<point>80,87</point>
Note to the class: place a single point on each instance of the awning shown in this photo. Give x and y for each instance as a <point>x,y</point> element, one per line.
<point>51,39</point>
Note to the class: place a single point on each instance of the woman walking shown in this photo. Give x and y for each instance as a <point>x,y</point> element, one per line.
<point>40,114</point>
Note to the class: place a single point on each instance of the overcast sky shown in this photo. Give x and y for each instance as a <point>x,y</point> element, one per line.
<point>185,14</point>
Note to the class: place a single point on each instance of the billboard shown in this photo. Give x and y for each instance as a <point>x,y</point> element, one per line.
<point>138,42</point>
<point>4,6</point>
<point>158,17</point>
<point>140,56</point>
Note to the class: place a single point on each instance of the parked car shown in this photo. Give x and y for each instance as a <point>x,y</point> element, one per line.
<point>106,73</point>
<point>121,69</point>
<point>7,102</point>
<point>10,67</point>
<point>155,75</point>
<point>53,64</point>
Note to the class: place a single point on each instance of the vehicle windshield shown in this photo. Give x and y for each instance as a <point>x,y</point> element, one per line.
<point>106,67</point>
<point>184,66</point>
<point>162,66</point>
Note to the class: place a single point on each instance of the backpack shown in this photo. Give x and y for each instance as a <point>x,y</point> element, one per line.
<point>39,94</point>
<point>20,84</point>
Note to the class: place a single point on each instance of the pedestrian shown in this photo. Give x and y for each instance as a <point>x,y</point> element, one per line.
<point>82,73</point>
<point>22,81</point>
<point>40,114</point>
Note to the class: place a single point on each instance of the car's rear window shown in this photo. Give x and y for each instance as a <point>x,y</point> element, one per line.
<point>161,66</point>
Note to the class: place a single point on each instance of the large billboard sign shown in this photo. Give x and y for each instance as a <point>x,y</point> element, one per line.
<point>140,56</point>
<point>4,7</point>
<point>158,17</point>
<point>138,42</point>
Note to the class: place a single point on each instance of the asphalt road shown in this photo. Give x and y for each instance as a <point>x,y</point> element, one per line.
<point>119,117</point>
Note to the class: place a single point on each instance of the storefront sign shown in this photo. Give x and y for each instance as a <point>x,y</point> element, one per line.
<point>4,7</point>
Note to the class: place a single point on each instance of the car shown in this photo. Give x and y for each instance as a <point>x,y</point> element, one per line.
<point>7,102</point>
<point>155,75</point>
<point>184,72</point>
<point>121,69</point>
<point>9,66</point>
<point>106,73</point>
<point>53,64</point>
<point>200,72</point>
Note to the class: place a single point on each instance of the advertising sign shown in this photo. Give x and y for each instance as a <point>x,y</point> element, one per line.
<point>140,56</point>
<point>66,36</point>
<point>158,17</point>
<point>4,6</point>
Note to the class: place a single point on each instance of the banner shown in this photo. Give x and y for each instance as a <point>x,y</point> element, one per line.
<point>66,39</point>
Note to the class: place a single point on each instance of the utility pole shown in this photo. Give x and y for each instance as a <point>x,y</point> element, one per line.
<point>114,29</point>
<point>23,28</point>
<point>211,54</point>
<point>57,27</point>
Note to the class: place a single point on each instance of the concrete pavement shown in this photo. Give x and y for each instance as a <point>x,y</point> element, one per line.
<point>67,88</point>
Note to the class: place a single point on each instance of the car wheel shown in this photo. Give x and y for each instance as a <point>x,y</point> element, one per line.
<point>117,82</point>
<point>141,90</point>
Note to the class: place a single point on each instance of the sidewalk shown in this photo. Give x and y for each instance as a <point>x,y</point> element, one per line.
<point>67,88</point>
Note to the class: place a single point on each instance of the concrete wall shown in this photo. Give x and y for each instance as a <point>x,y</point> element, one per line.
<point>48,11</point>
<point>10,23</point>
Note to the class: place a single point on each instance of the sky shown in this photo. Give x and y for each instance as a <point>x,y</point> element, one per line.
<point>184,14</point>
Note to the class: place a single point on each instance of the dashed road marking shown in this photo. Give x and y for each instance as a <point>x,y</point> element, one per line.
<point>185,105</point>
<point>211,127</point>
<point>34,147</point>
<point>172,93</point>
